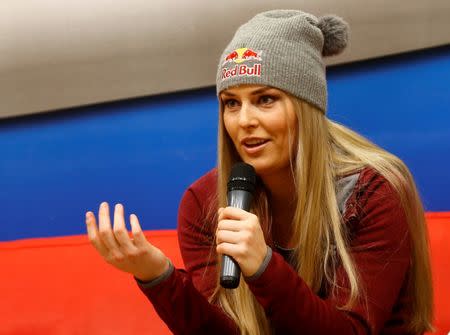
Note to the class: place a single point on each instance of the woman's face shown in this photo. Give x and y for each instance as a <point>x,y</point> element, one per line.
<point>260,120</point>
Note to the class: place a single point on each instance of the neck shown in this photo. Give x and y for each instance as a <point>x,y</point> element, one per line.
<point>281,191</point>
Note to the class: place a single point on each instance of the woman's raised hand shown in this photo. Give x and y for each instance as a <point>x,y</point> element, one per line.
<point>133,255</point>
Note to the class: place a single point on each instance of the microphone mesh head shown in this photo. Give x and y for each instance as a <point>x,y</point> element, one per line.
<point>242,177</point>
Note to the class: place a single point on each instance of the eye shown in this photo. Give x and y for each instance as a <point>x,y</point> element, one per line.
<point>230,103</point>
<point>267,99</point>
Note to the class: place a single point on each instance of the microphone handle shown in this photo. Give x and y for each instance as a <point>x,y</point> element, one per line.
<point>231,273</point>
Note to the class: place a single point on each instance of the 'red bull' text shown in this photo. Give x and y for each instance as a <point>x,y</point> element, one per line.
<point>242,70</point>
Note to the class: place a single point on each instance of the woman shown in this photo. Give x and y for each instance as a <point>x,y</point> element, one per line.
<point>335,242</point>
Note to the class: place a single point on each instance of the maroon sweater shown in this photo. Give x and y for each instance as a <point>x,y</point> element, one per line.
<point>379,245</point>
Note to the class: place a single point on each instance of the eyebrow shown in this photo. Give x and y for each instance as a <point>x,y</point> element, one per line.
<point>255,92</point>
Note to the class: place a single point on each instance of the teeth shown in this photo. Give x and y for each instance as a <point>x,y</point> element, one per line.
<point>254,142</point>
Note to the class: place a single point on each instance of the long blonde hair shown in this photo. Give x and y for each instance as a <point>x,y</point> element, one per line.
<point>325,151</point>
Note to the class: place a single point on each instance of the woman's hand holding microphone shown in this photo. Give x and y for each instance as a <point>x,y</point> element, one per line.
<point>240,236</point>
<point>133,255</point>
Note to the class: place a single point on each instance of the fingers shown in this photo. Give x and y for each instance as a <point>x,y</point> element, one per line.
<point>105,229</point>
<point>233,213</point>
<point>114,242</point>
<point>234,250</point>
<point>236,226</point>
<point>228,237</point>
<point>236,219</point>
<point>93,234</point>
<point>232,225</point>
<point>138,235</point>
<point>121,232</point>
<point>239,235</point>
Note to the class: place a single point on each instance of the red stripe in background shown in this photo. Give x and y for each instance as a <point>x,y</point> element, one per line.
<point>61,286</point>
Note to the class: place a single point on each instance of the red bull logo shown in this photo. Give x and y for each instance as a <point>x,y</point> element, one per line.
<point>241,55</point>
<point>238,57</point>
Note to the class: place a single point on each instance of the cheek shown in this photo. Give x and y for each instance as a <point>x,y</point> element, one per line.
<point>287,135</point>
<point>228,126</point>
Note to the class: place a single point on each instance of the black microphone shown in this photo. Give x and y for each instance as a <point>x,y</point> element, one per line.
<point>240,188</point>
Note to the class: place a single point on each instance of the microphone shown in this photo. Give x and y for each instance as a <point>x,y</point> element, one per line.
<point>240,188</point>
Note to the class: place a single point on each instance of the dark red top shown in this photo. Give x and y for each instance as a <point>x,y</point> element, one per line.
<point>379,245</point>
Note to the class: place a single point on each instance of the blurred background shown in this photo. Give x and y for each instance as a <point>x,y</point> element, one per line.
<point>115,101</point>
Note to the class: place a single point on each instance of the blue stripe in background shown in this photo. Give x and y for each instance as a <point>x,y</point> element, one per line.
<point>145,152</point>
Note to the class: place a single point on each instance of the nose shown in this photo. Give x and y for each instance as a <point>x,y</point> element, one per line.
<point>248,116</point>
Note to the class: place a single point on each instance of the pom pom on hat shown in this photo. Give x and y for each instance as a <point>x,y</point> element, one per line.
<point>335,33</point>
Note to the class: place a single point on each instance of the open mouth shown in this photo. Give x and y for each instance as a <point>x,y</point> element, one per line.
<point>254,144</point>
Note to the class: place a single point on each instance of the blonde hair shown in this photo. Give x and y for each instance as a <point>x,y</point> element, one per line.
<point>326,150</point>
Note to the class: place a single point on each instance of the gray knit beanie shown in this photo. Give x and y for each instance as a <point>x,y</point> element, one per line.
<point>284,49</point>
